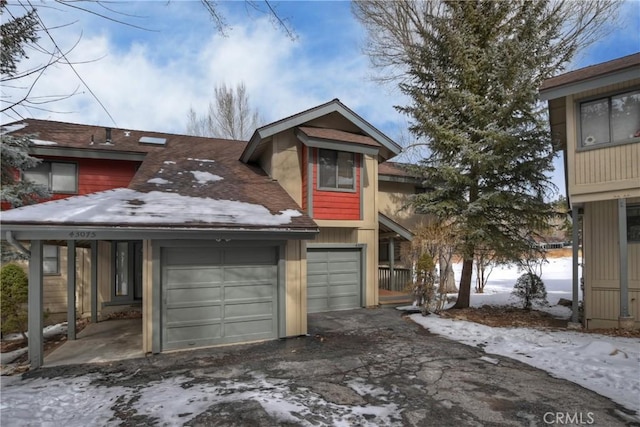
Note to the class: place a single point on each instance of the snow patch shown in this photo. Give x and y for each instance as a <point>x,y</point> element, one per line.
<point>159,181</point>
<point>204,177</point>
<point>42,142</point>
<point>12,128</point>
<point>200,160</point>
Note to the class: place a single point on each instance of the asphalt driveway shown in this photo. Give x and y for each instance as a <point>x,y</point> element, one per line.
<point>361,367</point>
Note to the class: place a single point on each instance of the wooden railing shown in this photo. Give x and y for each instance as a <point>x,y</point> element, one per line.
<point>401,276</point>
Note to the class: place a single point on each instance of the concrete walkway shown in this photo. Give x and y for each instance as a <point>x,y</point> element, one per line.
<point>106,341</point>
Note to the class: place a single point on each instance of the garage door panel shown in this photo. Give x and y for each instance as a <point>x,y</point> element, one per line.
<point>251,274</point>
<point>258,256</point>
<point>192,336</point>
<point>201,257</point>
<point>343,256</point>
<point>248,292</point>
<point>256,329</point>
<point>181,277</point>
<point>202,314</point>
<point>232,299</point>
<point>235,312</point>
<point>333,279</point>
<point>193,295</point>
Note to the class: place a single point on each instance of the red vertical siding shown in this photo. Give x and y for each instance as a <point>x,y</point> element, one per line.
<point>96,175</point>
<point>339,205</point>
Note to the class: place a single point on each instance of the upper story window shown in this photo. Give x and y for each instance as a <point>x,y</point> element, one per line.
<point>336,170</point>
<point>58,177</point>
<point>613,119</point>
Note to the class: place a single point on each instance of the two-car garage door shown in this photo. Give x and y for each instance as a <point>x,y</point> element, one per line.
<point>334,279</point>
<point>218,295</point>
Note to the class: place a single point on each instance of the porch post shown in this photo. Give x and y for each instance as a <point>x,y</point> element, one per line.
<point>392,257</point>
<point>94,281</point>
<point>625,320</point>
<point>35,321</point>
<point>71,290</point>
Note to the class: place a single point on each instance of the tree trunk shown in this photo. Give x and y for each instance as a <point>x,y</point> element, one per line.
<point>464,293</point>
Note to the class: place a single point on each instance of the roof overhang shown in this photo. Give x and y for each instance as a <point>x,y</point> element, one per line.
<point>88,233</point>
<point>402,179</point>
<point>330,144</point>
<point>590,83</point>
<point>85,153</point>
<point>335,105</point>
<point>394,227</point>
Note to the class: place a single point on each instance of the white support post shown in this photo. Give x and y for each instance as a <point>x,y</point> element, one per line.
<point>36,309</point>
<point>71,290</point>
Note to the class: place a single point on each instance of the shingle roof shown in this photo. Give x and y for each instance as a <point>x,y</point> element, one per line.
<point>394,169</point>
<point>189,167</point>
<point>591,71</point>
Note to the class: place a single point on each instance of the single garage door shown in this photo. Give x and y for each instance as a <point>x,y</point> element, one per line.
<point>218,296</point>
<point>333,280</point>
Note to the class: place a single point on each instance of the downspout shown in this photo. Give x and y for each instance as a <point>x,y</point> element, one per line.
<point>13,242</point>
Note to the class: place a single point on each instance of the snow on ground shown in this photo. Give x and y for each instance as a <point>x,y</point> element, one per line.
<point>76,402</point>
<point>607,365</point>
<point>48,331</point>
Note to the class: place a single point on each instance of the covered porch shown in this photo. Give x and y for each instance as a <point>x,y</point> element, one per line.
<point>107,341</point>
<point>393,275</point>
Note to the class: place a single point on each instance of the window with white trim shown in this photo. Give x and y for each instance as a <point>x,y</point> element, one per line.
<point>58,177</point>
<point>613,119</point>
<point>336,170</point>
<point>50,259</point>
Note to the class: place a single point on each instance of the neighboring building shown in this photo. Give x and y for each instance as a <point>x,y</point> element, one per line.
<point>216,241</point>
<point>595,115</point>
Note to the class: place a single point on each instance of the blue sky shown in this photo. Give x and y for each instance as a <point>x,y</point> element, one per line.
<point>148,79</point>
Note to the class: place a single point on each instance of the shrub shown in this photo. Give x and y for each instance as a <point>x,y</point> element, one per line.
<point>14,294</point>
<point>529,288</point>
<point>423,288</point>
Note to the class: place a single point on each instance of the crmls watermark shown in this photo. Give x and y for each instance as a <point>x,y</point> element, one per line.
<point>566,418</point>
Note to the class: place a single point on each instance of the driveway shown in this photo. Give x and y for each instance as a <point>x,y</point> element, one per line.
<point>361,367</point>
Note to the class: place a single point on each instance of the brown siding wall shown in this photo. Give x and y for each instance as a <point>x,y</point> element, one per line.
<point>602,268</point>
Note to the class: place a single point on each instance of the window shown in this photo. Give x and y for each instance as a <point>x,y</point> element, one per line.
<point>336,170</point>
<point>633,224</point>
<point>610,120</point>
<point>58,177</point>
<point>50,259</point>
<point>121,269</point>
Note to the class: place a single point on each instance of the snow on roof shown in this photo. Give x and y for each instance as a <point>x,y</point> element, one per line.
<point>12,128</point>
<point>204,177</point>
<point>124,206</point>
<point>42,142</point>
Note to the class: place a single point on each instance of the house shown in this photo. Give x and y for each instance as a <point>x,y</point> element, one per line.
<point>216,241</point>
<point>594,113</point>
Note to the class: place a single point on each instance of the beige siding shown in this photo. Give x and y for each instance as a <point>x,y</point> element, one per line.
<point>602,271</point>
<point>287,164</point>
<point>147,296</point>
<point>336,235</point>
<point>370,238</point>
<point>394,202</point>
<point>605,172</point>
<point>296,288</point>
